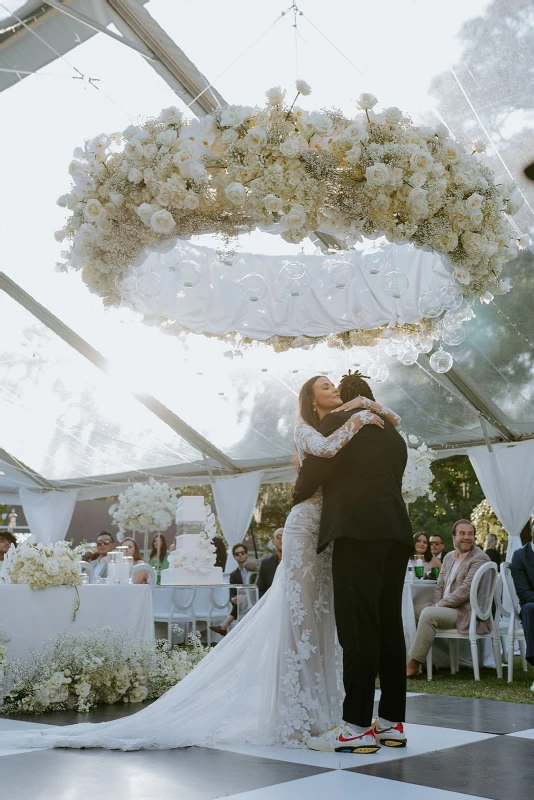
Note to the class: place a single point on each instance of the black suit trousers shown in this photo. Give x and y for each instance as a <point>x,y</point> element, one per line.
<point>368,582</point>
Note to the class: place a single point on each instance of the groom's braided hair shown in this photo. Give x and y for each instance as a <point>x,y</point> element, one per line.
<point>353,385</point>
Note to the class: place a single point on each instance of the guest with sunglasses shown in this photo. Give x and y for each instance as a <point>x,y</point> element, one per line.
<point>105,543</point>
<point>239,575</point>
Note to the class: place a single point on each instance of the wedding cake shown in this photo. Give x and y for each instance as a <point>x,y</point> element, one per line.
<point>193,561</point>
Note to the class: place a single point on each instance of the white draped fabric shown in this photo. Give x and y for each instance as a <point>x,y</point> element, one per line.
<point>217,306</point>
<point>506,476</point>
<point>48,514</point>
<point>235,500</point>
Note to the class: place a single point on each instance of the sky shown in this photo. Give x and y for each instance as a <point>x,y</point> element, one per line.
<point>392,49</point>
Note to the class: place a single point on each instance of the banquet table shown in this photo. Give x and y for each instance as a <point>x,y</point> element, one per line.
<point>30,616</point>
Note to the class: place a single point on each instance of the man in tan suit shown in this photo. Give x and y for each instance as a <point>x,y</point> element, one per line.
<point>450,607</point>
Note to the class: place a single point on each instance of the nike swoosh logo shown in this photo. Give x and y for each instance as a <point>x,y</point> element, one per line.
<point>350,739</point>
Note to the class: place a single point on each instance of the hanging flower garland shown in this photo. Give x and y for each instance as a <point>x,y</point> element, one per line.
<point>292,172</point>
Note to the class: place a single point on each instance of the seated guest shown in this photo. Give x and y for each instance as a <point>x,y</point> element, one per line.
<point>139,575</point>
<point>105,543</point>
<point>6,540</point>
<point>89,556</point>
<point>220,552</point>
<point>437,547</point>
<point>269,565</point>
<point>239,575</point>
<point>490,548</point>
<point>450,607</point>
<point>158,555</point>
<point>422,550</point>
<point>523,575</point>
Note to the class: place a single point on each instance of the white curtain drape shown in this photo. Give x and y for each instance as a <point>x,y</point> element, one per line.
<point>507,479</point>
<point>235,500</point>
<point>48,514</point>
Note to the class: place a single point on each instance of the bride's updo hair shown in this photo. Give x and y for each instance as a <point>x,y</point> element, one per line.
<point>353,385</point>
<point>307,414</point>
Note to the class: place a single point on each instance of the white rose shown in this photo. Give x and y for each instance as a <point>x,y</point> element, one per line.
<point>322,124</point>
<point>463,275</point>
<point>474,203</point>
<point>92,211</point>
<point>476,218</point>
<point>191,201</point>
<point>256,138</point>
<point>393,115</point>
<point>171,115</point>
<point>273,204</point>
<point>135,175</point>
<point>145,211</point>
<point>197,172</point>
<point>295,218</point>
<point>116,198</point>
<point>232,116</point>
<point>56,680</point>
<point>229,136</point>
<point>523,241</point>
<point>514,203</point>
<point>59,235</point>
<point>479,146</point>
<point>290,147</point>
<point>417,203</point>
<point>167,138</point>
<point>451,153</point>
<point>421,161</point>
<point>148,150</point>
<point>377,175</point>
<point>236,193</point>
<point>51,567</point>
<point>275,96</point>
<point>83,689</point>
<point>417,180</point>
<point>130,132</point>
<point>161,221</point>
<point>355,134</point>
<point>354,154</point>
<point>366,101</point>
<point>303,88</point>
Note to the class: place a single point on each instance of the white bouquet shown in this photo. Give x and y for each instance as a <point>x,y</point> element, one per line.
<point>145,507</point>
<point>41,566</point>
<point>418,476</point>
<point>79,670</point>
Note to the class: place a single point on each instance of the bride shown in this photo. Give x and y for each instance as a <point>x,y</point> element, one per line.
<point>275,678</point>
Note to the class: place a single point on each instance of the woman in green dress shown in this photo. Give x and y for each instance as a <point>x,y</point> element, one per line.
<point>158,555</point>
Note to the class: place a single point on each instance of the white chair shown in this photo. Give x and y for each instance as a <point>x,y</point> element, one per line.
<point>152,578</point>
<point>174,607</point>
<point>480,610</point>
<point>510,626</point>
<point>212,606</point>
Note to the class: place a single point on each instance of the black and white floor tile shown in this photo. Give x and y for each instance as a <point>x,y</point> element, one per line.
<point>458,749</point>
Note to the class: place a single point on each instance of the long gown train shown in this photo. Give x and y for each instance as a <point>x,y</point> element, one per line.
<point>274,679</point>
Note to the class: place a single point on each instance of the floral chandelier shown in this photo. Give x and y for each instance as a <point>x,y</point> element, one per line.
<point>139,196</point>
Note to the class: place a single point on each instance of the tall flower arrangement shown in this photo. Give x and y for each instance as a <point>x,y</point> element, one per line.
<point>42,566</point>
<point>145,507</point>
<point>291,171</point>
<point>418,475</point>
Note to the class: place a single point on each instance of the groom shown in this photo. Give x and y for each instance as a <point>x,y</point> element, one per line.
<point>364,515</point>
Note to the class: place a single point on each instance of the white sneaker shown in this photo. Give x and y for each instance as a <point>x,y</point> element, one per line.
<point>393,736</point>
<point>341,739</point>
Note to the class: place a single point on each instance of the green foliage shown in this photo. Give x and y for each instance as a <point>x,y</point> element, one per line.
<point>457,493</point>
<point>486,521</point>
<point>274,504</point>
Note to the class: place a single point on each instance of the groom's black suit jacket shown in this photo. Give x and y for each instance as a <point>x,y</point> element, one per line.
<point>362,485</point>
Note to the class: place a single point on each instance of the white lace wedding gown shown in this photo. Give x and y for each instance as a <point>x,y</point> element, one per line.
<point>274,679</point>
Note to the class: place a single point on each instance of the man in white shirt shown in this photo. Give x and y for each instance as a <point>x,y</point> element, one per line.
<point>104,545</point>
<point>450,607</point>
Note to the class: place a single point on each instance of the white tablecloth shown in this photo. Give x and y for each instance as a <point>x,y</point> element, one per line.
<point>30,616</point>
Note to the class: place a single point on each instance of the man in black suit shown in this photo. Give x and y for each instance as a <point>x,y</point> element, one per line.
<point>523,575</point>
<point>269,565</point>
<point>365,516</point>
<point>239,575</point>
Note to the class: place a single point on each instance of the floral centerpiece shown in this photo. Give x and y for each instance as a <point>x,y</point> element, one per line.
<point>292,172</point>
<point>41,566</point>
<point>145,507</point>
<point>80,670</point>
<point>418,476</point>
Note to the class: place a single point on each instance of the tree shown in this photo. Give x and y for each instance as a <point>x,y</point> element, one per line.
<point>273,506</point>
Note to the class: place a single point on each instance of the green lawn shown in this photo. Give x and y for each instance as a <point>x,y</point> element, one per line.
<point>488,688</point>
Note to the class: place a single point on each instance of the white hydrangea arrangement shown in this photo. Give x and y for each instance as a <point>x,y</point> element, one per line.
<point>145,507</point>
<point>80,670</point>
<point>41,566</point>
<point>293,172</point>
<point>418,476</point>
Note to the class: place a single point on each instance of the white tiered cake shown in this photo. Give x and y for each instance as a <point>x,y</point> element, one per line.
<point>193,561</point>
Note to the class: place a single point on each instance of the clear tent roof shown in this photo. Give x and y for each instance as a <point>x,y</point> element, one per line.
<point>65,420</point>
